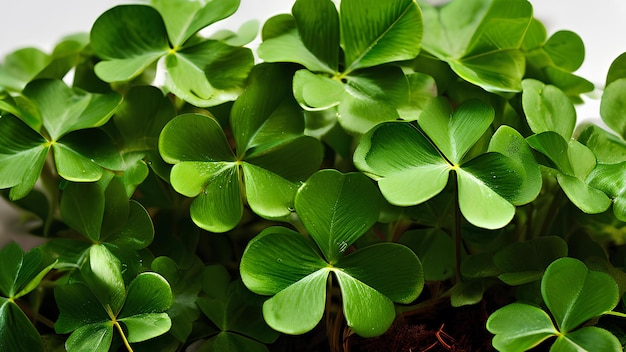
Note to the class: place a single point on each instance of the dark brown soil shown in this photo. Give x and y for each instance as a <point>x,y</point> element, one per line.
<point>449,329</point>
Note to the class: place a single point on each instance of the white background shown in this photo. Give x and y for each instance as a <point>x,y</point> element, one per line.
<point>41,23</point>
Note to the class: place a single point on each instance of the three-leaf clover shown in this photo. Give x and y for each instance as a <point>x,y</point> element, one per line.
<point>336,210</point>
<point>480,40</point>
<point>369,34</point>
<point>64,124</point>
<point>93,309</point>
<point>573,295</point>
<point>551,116</point>
<point>203,72</point>
<point>20,273</point>
<point>271,155</point>
<point>413,165</point>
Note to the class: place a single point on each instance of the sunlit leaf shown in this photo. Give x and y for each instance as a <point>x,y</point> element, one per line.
<point>519,327</point>
<point>337,209</point>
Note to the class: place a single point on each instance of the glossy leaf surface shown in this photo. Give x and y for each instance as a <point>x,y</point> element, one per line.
<point>282,263</point>
<point>401,157</point>
<point>270,150</point>
<point>575,294</point>
<point>480,39</point>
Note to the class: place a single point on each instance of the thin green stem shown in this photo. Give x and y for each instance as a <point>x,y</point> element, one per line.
<point>457,231</point>
<point>49,180</point>
<point>617,314</point>
<point>118,327</point>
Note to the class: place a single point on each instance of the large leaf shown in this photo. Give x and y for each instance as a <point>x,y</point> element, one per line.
<point>480,40</point>
<point>377,32</point>
<point>575,294</point>
<point>208,73</point>
<point>281,262</point>
<point>129,38</point>
<point>64,109</point>
<point>399,158</point>
<point>185,18</point>
<point>148,296</point>
<point>547,108</point>
<point>17,333</point>
<point>337,209</point>
<point>103,275</point>
<point>22,153</point>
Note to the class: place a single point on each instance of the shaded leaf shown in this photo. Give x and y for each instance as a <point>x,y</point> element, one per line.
<point>574,294</point>
<point>17,333</point>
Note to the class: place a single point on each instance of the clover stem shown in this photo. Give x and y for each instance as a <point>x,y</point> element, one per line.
<point>49,177</point>
<point>119,329</point>
<point>457,231</point>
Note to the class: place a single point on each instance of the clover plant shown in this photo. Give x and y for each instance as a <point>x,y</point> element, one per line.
<point>375,175</point>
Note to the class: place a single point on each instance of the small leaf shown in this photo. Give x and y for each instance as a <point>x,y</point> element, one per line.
<point>610,178</point>
<point>316,92</point>
<point>78,307</point>
<point>455,133</point>
<point>337,209</point>
<point>23,153</point>
<point>370,322</point>
<point>547,108</point>
<point>64,109</point>
<point>613,108</point>
<point>299,307</point>
<point>587,339</point>
<point>509,142</point>
<point>574,294</point>
<point>566,49</point>
<point>389,268</point>
<point>22,66</point>
<point>142,327</point>
<point>104,277</point>
<point>519,327</point>
<point>399,157</point>
<point>92,337</point>
<point>82,208</point>
<point>524,262</point>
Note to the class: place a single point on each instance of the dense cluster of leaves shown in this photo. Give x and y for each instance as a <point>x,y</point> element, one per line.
<point>380,157</point>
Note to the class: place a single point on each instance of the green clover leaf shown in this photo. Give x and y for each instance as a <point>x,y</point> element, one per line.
<point>370,34</point>
<point>20,273</point>
<point>336,209</point>
<point>68,119</point>
<point>412,165</point>
<point>271,156</point>
<point>480,40</point>
<point>131,38</point>
<point>140,307</point>
<point>552,60</point>
<point>573,294</point>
